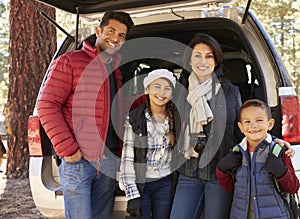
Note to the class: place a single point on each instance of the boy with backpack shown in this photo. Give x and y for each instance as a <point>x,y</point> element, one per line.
<point>255,165</point>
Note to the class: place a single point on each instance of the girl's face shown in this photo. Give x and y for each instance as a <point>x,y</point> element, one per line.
<point>160,92</point>
<point>202,61</point>
<point>254,124</point>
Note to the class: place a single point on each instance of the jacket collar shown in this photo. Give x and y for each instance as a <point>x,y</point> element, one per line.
<point>244,142</point>
<point>93,52</point>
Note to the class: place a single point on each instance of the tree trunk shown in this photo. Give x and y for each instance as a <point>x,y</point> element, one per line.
<point>32,45</point>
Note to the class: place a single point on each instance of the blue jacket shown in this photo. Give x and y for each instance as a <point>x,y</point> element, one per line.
<point>254,183</point>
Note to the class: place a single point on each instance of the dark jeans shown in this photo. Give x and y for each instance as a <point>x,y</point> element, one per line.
<point>157,199</point>
<point>193,195</point>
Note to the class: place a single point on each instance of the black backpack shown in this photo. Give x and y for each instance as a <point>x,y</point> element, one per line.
<point>290,200</point>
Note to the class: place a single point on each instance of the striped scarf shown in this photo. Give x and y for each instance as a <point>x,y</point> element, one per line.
<point>200,114</point>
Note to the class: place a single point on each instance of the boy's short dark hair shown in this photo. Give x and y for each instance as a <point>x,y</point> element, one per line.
<point>120,16</point>
<point>256,103</point>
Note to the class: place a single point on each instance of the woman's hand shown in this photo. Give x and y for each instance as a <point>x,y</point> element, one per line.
<point>290,152</point>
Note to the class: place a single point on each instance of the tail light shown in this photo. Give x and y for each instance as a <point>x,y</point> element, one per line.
<point>34,137</point>
<point>290,114</point>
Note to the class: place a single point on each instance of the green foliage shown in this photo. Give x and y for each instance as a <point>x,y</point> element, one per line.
<point>68,22</point>
<point>281,19</point>
<point>4,56</point>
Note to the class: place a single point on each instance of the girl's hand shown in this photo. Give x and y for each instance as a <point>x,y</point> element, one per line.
<point>290,152</point>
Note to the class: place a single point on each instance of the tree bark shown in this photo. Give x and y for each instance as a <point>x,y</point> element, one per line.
<point>32,45</point>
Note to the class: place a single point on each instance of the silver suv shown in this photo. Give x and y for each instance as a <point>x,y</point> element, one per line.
<point>163,28</point>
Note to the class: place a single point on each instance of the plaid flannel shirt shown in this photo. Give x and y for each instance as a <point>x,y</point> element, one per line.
<point>158,155</point>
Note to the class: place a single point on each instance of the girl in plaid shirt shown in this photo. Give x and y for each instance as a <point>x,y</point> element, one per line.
<point>147,151</point>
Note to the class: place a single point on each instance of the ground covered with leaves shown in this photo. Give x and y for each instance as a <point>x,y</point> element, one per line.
<point>15,198</point>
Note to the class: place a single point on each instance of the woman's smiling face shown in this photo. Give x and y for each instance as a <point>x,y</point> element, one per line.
<point>202,61</point>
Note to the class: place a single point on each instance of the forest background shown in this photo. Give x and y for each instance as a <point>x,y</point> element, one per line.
<point>281,19</point>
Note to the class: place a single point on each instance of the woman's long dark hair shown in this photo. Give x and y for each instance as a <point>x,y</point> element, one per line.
<point>217,52</point>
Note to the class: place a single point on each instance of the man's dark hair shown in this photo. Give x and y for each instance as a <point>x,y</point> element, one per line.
<point>120,16</point>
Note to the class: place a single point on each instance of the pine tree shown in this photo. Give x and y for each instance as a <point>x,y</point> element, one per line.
<point>4,33</point>
<point>32,45</point>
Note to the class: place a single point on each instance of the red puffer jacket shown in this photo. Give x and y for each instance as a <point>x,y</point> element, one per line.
<point>74,105</point>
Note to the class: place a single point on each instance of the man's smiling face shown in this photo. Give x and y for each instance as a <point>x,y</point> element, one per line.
<point>110,38</point>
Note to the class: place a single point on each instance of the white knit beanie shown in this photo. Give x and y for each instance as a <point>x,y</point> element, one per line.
<point>159,73</point>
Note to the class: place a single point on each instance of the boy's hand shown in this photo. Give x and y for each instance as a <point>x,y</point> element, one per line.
<point>134,207</point>
<point>275,166</point>
<point>230,162</point>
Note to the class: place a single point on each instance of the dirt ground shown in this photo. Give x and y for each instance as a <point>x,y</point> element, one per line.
<point>15,198</point>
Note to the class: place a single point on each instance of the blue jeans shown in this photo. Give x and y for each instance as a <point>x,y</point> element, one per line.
<point>157,199</point>
<point>86,194</point>
<point>194,195</point>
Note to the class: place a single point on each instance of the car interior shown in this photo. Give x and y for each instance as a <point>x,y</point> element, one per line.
<point>239,62</point>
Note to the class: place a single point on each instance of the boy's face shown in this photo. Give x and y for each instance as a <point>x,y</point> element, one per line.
<point>254,124</point>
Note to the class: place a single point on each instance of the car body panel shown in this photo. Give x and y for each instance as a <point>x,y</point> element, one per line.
<point>46,200</point>
<point>92,6</point>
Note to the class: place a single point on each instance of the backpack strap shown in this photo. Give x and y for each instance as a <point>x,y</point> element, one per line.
<point>236,148</point>
<point>289,200</point>
<point>277,150</point>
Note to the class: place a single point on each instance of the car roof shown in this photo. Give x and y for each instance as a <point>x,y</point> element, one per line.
<point>96,6</point>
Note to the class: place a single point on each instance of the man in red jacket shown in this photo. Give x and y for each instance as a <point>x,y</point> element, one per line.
<point>75,109</point>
